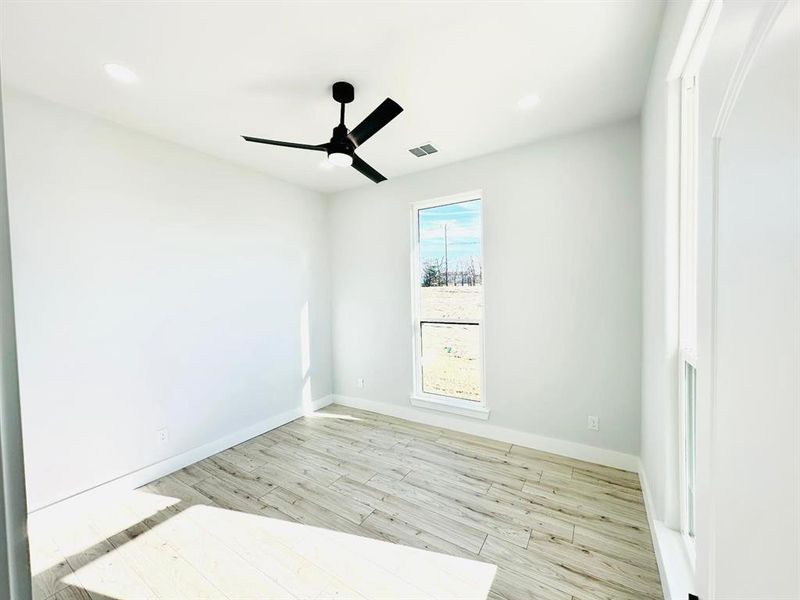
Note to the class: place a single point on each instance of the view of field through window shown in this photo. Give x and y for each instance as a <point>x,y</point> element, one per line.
<point>451,299</point>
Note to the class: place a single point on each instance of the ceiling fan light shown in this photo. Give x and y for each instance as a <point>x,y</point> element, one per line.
<point>340,159</point>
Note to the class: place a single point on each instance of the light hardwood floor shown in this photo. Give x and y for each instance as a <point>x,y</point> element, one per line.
<point>352,504</point>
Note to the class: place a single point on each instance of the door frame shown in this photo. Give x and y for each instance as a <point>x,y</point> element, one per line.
<point>15,575</point>
<point>708,306</point>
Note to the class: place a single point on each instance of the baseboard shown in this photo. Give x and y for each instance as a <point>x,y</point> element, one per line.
<point>322,402</point>
<point>150,473</point>
<point>593,454</point>
<point>649,509</point>
<point>673,566</point>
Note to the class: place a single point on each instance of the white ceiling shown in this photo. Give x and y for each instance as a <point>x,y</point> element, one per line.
<point>211,71</point>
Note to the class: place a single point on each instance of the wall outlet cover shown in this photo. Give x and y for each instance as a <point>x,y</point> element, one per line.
<point>593,423</point>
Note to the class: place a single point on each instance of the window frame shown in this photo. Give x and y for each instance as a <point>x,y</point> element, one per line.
<point>419,398</point>
<point>687,293</point>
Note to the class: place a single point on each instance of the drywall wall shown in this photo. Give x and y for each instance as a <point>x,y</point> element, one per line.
<point>660,237</point>
<point>562,295</point>
<point>15,576</point>
<point>748,535</point>
<point>156,287</point>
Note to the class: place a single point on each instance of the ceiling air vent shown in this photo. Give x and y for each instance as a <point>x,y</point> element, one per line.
<point>423,150</point>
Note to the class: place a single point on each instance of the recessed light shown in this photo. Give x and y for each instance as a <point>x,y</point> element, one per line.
<point>528,102</point>
<point>120,73</point>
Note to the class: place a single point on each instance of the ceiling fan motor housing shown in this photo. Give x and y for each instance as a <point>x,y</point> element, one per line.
<point>340,142</point>
<point>343,92</point>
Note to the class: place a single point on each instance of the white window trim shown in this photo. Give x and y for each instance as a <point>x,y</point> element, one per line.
<point>469,408</point>
<point>687,309</point>
<point>695,38</point>
<point>687,273</point>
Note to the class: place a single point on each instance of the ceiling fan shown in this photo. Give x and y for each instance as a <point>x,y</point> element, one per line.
<point>341,148</point>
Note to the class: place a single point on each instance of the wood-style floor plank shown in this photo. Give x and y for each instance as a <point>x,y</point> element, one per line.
<point>248,481</point>
<point>99,564</point>
<point>462,512</point>
<point>587,516</point>
<point>73,593</point>
<point>354,505</point>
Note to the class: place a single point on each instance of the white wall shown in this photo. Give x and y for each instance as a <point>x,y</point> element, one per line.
<point>562,342</point>
<point>660,237</point>
<point>758,330</point>
<point>156,287</point>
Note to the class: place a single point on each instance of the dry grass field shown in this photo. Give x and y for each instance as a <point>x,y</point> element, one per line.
<point>452,302</point>
<point>451,353</point>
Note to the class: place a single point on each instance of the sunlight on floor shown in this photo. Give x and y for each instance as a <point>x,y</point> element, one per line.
<point>324,415</point>
<point>158,550</point>
<point>73,527</point>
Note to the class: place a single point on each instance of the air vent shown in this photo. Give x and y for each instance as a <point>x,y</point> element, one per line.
<point>423,150</point>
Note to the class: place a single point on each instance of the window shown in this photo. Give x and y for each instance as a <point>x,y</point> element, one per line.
<point>690,440</point>
<point>447,271</point>
<point>688,306</point>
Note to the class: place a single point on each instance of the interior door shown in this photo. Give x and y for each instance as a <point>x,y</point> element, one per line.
<point>749,304</point>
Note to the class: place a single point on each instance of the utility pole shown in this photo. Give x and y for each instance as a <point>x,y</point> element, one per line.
<point>446,277</point>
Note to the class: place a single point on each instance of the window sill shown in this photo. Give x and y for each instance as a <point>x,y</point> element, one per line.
<point>454,407</point>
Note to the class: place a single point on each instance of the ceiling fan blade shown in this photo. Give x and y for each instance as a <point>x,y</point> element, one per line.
<point>363,168</point>
<point>321,147</point>
<point>375,121</point>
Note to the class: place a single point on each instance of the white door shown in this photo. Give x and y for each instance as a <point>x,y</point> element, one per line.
<point>749,304</point>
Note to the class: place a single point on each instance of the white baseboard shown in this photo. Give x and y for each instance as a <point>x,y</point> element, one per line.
<point>600,456</point>
<point>317,404</point>
<point>150,473</point>
<point>677,579</point>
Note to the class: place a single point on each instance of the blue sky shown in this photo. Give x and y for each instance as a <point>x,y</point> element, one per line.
<point>463,222</point>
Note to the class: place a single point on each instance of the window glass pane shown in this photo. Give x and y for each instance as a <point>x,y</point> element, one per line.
<point>451,360</point>
<point>691,442</point>
<point>451,273</point>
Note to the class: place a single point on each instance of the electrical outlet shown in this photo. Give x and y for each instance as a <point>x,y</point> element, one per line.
<point>593,423</point>
<point>360,382</point>
<point>163,435</point>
